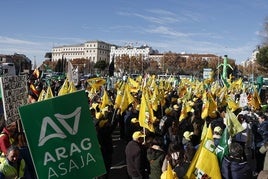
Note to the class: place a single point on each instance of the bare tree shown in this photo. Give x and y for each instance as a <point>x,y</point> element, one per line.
<point>264,33</point>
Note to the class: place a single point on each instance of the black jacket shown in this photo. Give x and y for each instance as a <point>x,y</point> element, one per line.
<point>134,158</point>
<point>235,169</point>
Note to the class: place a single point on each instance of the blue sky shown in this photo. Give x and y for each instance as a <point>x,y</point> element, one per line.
<point>233,28</point>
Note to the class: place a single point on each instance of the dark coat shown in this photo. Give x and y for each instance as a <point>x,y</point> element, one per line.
<point>235,169</point>
<point>155,158</point>
<point>133,158</point>
<point>263,131</point>
<point>129,127</point>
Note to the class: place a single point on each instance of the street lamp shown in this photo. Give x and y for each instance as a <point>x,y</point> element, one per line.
<point>218,75</point>
<point>142,64</point>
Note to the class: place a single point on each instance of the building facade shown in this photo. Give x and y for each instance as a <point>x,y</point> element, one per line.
<point>144,51</point>
<point>91,50</point>
<point>252,59</point>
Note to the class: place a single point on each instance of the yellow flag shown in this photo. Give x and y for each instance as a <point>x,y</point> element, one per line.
<point>190,174</point>
<point>212,106</point>
<point>161,84</point>
<point>204,131</point>
<point>221,96</point>
<point>64,88</point>
<point>71,87</point>
<point>254,100</point>
<point>119,95</point>
<point>161,97</point>
<point>41,96</point>
<point>49,93</point>
<point>170,174</point>
<point>182,91</point>
<point>96,82</point>
<point>183,111</point>
<point>105,100</point>
<point>232,123</point>
<point>207,163</point>
<point>139,79</point>
<point>133,85</point>
<point>146,115</point>
<point>155,99</point>
<point>237,84</point>
<point>204,113</point>
<point>232,104</point>
<point>127,99</point>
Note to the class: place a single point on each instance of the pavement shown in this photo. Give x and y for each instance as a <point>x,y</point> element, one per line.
<point>119,167</point>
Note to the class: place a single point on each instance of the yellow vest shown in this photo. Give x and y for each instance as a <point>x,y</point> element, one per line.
<point>11,172</point>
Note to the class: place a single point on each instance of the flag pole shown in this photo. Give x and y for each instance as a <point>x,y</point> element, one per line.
<point>114,115</point>
<point>144,135</point>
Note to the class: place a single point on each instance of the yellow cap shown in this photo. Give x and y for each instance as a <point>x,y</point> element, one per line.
<point>137,134</point>
<point>134,120</point>
<point>218,129</point>
<point>99,115</point>
<point>187,135</point>
<point>175,106</point>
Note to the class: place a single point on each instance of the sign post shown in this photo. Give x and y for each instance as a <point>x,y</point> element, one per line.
<point>62,137</point>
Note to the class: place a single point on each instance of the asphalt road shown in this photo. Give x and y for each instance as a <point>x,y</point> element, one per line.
<point>118,169</point>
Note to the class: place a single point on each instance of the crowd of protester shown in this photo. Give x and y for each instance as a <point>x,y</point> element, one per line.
<point>174,142</point>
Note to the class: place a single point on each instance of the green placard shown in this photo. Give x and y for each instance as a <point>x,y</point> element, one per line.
<point>62,137</point>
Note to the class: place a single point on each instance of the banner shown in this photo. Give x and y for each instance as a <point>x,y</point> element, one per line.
<point>62,137</point>
<point>14,94</point>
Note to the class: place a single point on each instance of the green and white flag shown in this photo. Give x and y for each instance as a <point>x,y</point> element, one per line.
<point>223,149</point>
<point>62,138</point>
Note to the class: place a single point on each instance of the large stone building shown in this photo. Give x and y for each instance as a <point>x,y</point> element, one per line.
<point>91,50</point>
<point>145,51</point>
<point>94,51</point>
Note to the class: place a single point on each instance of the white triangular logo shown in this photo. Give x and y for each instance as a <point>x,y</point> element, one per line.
<point>58,132</point>
<point>43,138</point>
<point>62,119</point>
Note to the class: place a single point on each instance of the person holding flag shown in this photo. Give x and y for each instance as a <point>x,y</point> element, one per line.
<point>234,166</point>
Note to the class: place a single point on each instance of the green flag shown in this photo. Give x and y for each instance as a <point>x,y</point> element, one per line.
<point>223,149</point>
